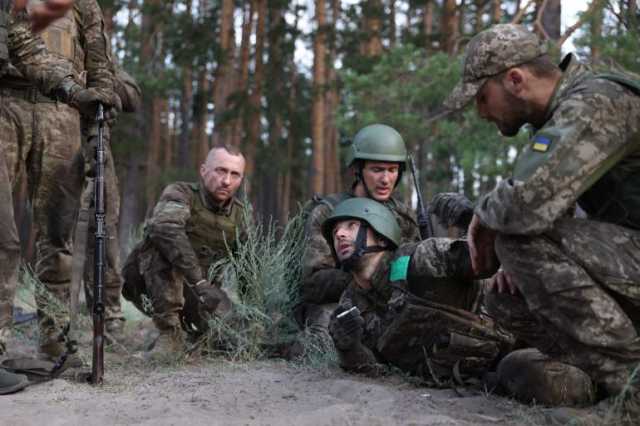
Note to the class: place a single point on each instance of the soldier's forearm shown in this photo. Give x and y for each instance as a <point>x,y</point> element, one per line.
<point>325,286</point>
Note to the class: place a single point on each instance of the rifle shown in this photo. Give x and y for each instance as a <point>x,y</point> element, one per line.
<point>97,368</point>
<point>424,224</point>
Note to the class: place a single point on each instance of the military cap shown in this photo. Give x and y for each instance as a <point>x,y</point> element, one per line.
<point>491,52</point>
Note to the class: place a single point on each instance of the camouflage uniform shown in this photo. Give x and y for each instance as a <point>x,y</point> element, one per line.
<point>21,152</point>
<point>322,282</point>
<point>78,37</point>
<point>579,278</point>
<point>402,329</point>
<point>185,235</point>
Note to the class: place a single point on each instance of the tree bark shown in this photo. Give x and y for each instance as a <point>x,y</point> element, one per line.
<point>427,23</point>
<point>496,11</point>
<point>392,23</point>
<point>449,26</point>
<point>549,18</point>
<point>255,100</point>
<point>224,74</point>
<point>596,32</point>
<point>373,13</point>
<point>332,182</point>
<point>242,88</point>
<point>318,107</point>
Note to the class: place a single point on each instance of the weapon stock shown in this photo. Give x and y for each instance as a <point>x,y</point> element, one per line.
<point>97,368</point>
<point>424,224</point>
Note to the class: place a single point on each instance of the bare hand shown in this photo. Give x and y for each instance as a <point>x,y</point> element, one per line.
<point>482,248</point>
<point>43,14</point>
<point>502,282</point>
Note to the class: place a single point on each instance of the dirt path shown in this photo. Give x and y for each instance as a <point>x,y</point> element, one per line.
<point>260,393</point>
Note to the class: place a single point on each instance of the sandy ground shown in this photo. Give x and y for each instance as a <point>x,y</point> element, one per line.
<point>218,392</point>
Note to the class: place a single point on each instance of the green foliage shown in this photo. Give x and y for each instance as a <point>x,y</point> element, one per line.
<point>262,278</point>
<point>404,88</point>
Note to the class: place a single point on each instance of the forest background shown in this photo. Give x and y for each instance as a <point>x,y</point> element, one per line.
<point>229,71</point>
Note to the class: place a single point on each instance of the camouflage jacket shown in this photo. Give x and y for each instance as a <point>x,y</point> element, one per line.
<point>190,231</point>
<point>322,282</point>
<point>79,38</point>
<point>29,55</point>
<point>438,269</point>
<point>588,151</point>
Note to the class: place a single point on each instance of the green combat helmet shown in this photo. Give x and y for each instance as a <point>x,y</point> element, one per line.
<point>377,142</point>
<point>371,214</point>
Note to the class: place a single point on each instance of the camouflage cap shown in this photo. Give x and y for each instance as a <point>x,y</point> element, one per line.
<point>489,53</point>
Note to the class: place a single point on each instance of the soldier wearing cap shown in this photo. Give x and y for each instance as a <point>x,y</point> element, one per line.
<point>377,161</point>
<point>568,287</point>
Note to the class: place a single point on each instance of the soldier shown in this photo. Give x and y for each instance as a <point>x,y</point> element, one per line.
<point>190,228</point>
<point>53,134</point>
<point>393,325</point>
<point>377,160</point>
<point>52,77</point>
<point>569,287</point>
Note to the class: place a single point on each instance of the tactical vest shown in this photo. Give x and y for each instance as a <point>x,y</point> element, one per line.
<point>615,196</point>
<point>62,39</point>
<point>5,10</point>
<point>208,231</point>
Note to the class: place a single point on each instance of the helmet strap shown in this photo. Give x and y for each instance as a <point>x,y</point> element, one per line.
<point>360,179</point>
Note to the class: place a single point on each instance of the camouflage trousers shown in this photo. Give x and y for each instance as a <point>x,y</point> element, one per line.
<point>580,297</point>
<point>157,289</point>
<point>112,279</point>
<point>39,141</point>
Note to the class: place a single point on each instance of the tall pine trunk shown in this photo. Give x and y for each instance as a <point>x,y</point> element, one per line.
<point>318,106</point>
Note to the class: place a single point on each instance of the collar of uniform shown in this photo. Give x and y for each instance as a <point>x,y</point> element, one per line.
<point>572,69</point>
<point>211,204</point>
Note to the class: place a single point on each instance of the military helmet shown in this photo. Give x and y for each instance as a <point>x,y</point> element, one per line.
<point>379,217</point>
<point>377,142</point>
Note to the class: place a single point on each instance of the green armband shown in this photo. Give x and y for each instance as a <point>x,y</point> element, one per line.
<point>399,269</point>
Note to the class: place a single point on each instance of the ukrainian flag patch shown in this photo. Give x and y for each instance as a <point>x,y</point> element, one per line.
<point>399,269</point>
<point>541,143</point>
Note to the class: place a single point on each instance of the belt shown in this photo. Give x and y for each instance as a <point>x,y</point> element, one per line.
<point>29,94</point>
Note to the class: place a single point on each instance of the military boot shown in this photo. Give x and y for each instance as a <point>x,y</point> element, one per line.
<point>530,376</point>
<point>10,383</point>
<point>168,347</point>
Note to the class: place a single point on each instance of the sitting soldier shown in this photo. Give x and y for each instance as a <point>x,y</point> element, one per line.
<point>192,226</point>
<point>380,319</point>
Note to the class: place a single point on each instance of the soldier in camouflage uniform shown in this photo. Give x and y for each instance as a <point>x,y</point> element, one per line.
<point>21,49</point>
<point>190,228</point>
<point>574,283</point>
<point>393,325</point>
<point>53,133</point>
<point>377,160</point>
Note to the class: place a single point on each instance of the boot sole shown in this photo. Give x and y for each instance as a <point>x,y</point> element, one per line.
<point>15,388</point>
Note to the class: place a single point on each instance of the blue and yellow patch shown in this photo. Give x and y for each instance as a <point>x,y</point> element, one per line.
<point>541,143</point>
<point>399,269</point>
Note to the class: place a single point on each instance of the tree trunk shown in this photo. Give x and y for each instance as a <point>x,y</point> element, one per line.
<point>392,23</point>
<point>332,181</point>
<point>318,107</point>
<point>242,88</point>
<point>550,19</point>
<point>201,118</point>
<point>496,11</point>
<point>373,13</point>
<point>254,125</point>
<point>223,80</point>
<point>449,26</point>
<point>596,32</point>
<point>427,23</point>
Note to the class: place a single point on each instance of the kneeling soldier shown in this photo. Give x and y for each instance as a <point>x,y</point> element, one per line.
<point>191,227</point>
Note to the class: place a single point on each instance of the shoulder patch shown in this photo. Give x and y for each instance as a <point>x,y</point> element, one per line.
<point>399,269</point>
<point>541,143</point>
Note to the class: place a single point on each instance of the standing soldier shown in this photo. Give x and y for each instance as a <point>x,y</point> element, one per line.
<point>568,287</point>
<point>377,160</point>
<point>23,54</point>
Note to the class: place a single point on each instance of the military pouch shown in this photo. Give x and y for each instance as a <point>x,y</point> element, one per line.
<point>133,287</point>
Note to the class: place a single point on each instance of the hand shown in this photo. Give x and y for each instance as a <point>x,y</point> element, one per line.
<point>502,282</point>
<point>347,330</point>
<point>87,100</point>
<point>212,298</point>
<point>44,13</point>
<point>482,248</point>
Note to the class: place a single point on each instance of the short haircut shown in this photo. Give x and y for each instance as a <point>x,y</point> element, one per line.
<point>230,149</point>
<point>541,67</point>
